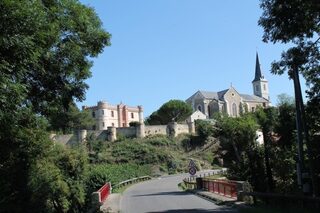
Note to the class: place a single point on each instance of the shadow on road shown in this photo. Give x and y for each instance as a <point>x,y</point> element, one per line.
<point>179,193</point>
<point>197,211</point>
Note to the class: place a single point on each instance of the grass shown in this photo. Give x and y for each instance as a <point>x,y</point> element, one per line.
<point>165,155</point>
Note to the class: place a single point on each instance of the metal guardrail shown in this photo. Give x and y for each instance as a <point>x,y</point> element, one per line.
<point>132,180</point>
<point>207,174</point>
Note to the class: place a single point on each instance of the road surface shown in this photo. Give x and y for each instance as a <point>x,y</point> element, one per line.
<point>163,195</point>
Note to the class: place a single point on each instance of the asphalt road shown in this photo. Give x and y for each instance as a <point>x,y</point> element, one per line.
<point>163,195</point>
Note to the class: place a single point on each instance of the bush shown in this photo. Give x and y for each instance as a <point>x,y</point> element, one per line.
<point>115,173</point>
<point>204,129</point>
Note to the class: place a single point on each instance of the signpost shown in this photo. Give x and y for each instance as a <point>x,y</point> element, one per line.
<point>192,168</point>
<point>192,171</point>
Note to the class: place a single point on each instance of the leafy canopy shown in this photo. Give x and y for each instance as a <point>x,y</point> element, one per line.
<point>173,110</point>
<point>45,51</point>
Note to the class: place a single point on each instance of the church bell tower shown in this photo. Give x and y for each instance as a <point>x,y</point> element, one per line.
<point>260,84</point>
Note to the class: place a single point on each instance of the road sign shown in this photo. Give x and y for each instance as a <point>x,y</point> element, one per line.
<point>192,170</point>
<point>192,164</point>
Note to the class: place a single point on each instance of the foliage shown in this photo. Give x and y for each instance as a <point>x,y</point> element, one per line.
<point>44,52</point>
<point>134,123</point>
<point>22,141</point>
<point>70,119</point>
<point>173,110</point>
<point>239,151</point>
<point>58,182</point>
<point>297,22</point>
<point>115,173</point>
<point>204,129</point>
<point>45,47</point>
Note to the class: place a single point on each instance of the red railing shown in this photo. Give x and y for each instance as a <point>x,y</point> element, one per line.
<point>104,192</point>
<point>225,188</point>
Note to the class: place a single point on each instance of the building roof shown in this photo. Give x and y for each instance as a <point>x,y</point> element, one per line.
<point>258,74</point>
<point>253,98</point>
<point>209,95</point>
<point>219,96</point>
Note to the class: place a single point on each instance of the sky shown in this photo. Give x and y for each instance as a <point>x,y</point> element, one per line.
<point>169,49</point>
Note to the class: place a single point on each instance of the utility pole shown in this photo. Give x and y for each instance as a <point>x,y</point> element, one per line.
<point>303,133</point>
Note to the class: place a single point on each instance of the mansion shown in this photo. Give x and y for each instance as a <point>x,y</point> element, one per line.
<point>230,101</point>
<point>107,115</point>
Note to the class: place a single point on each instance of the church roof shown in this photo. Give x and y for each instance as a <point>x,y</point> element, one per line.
<point>219,96</point>
<point>254,98</point>
<point>209,95</point>
<point>258,74</point>
<point>214,95</point>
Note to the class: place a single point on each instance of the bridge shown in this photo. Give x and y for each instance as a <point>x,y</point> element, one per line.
<point>163,195</point>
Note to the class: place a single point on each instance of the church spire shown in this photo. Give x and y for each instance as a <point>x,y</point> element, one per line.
<point>258,75</point>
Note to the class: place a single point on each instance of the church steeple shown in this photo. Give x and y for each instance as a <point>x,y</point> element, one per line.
<point>259,83</point>
<point>258,74</point>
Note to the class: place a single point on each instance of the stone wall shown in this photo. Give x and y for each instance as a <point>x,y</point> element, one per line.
<point>68,139</point>
<point>141,131</point>
<point>155,129</point>
<point>128,132</point>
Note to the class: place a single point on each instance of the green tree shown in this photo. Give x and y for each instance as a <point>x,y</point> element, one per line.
<point>240,152</point>
<point>173,110</point>
<point>70,119</point>
<point>45,50</point>
<point>58,183</point>
<point>266,118</point>
<point>297,22</point>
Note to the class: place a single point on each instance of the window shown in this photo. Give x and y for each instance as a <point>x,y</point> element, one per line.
<point>264,87</point>
<point>132,115</point>
<point>102,112</point>
<point>234,109</point>
<point>112,124</point>
<point>102,124</point>
<point>209,111</point>
<point>200,108</point>
<point>123,124</point>
<point>252,109</point>
<point>112,114</point>
<point>93,114</point>
<point>257,88</point>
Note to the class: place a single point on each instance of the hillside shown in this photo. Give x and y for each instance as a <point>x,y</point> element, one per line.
<point>164,155</point>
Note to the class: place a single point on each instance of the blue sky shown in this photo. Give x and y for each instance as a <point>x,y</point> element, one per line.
<point>169,49</point>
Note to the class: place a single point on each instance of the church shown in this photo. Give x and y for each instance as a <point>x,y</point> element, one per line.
<point>230,101</point>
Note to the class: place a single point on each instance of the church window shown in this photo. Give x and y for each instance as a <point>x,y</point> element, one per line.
<point>264,87</point>
<point>112,114</point>
<point>234,109</point>
<point>257,88</point>
<point>200,108</point>
<point>209,111</point>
